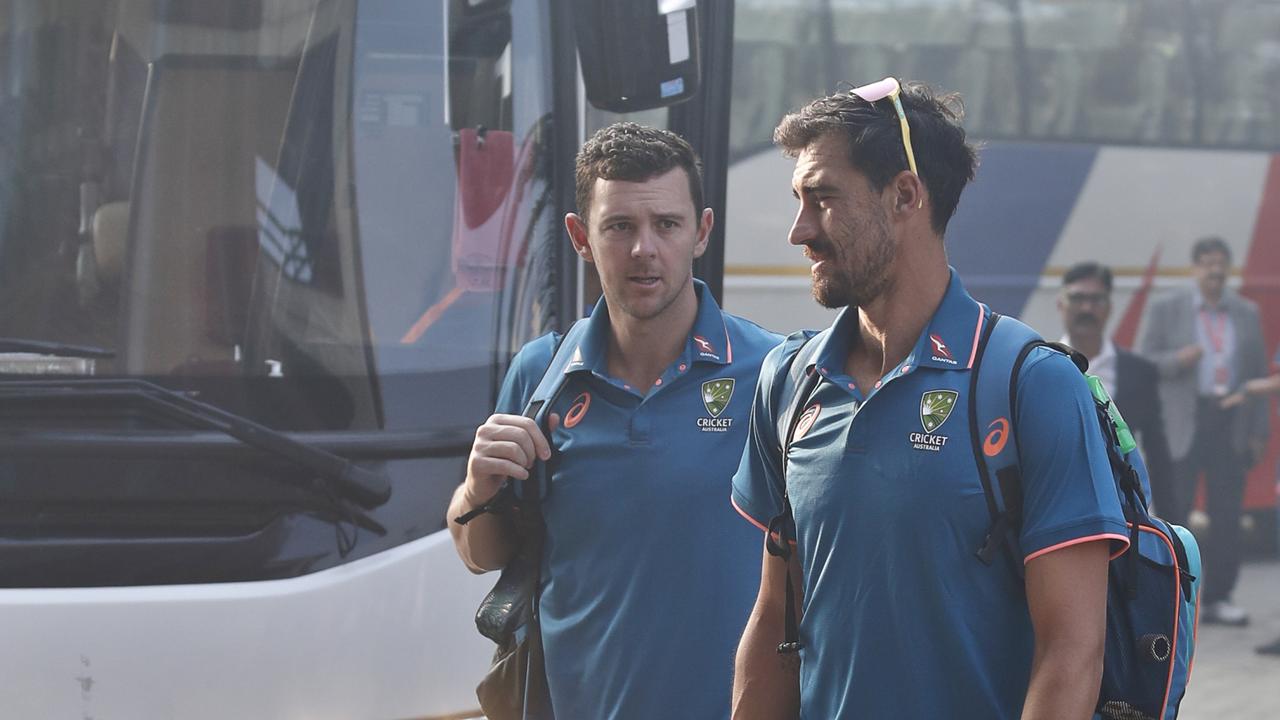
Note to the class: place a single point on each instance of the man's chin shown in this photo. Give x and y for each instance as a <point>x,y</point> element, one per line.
<point>828,297</point>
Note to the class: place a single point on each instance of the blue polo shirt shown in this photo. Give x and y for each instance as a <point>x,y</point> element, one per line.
<point>900,619</point>
<point>649,575</point>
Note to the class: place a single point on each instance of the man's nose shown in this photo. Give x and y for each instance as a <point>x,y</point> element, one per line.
<point>803,228</point>
<point>645,243</point>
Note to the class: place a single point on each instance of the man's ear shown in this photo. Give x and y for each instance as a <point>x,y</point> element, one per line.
<point>908,193</point>
<point>577,229</point>
<point>707,222</point>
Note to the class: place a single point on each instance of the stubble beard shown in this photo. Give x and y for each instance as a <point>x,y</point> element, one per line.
<point>859,283</point>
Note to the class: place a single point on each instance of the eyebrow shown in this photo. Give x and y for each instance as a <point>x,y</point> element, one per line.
<point>608,220</point>
<point>815,189</point>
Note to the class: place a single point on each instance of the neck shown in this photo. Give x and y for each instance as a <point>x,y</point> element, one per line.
<point>640,350</point>
<point>1213,298</point>
<point>891,324</point>
<point>1090,345</point>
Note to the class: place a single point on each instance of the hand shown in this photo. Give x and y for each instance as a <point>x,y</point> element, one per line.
<point>506,446</point>
<point>1190,355</point>
<point>1235,399</point>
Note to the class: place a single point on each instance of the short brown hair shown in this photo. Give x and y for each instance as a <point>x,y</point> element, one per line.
<point>946,161</point>
<point>1206,245</point>
<point>635,153</point>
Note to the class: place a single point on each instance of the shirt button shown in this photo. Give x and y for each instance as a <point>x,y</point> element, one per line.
<point>626,387</point>
<point>658,381</point>
<point>853,386</point>
<point>878,383</point>
<point>822,370</point>
<point>683,367</point>
<point>905,369</point>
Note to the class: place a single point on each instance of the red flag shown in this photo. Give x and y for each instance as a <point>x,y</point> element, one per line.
<point>1127,329</point>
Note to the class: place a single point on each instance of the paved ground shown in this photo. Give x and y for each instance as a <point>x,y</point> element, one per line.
<point>1229,680</point>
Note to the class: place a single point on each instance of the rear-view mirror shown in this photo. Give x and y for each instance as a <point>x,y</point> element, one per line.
<point>638,54</point>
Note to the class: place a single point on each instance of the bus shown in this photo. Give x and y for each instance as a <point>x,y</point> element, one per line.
<point>264,264</point>
<point>1112,130</point>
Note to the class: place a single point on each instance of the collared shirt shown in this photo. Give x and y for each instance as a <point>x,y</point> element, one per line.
<point>1216,334</point>
<point>900,619</point>
<point>1104,365</point>
<point>649,575</point>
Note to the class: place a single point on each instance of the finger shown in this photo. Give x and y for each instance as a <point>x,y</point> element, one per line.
<point>496,467</point>
<point>540,442</point>
<point>518,437</point>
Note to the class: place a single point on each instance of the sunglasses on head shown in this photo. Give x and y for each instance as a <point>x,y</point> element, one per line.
<point>889,88</point>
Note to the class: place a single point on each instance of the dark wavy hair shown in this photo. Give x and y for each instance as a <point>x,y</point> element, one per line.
<point>945,160</point>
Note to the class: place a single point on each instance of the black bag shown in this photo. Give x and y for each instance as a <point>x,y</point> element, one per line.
<point>515,688</point>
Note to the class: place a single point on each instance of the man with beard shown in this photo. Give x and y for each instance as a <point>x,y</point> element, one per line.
<point>1207,344</point>
<point>898,617</point>
<point>647,573</point>
<point>1085,307</point>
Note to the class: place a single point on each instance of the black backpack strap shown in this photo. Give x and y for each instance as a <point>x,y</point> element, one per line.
<point>801,382</point>
<point>564,356</point>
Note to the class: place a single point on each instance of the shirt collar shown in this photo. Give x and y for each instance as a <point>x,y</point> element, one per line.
<point>1224,301</point>
<point>947,342</point>
<point>708,340</point>
<point>1105,353</point>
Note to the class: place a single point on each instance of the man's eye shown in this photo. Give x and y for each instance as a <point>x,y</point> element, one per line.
<point>619,227</point>
<point>667,224</point>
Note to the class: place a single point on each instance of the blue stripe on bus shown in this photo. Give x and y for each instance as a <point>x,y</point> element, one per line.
<point>1011,217</point>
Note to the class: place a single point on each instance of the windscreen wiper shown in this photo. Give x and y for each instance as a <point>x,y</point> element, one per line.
<point>44,347</point>
<point>366,488</point>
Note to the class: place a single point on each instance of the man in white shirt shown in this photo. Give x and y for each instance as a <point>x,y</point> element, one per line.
<point>1085,307</point>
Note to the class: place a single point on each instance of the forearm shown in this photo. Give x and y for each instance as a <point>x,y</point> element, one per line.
<point>766,684</point>
<point>1065,678</point>
<point>486,542</point>
<point>1263,386</point>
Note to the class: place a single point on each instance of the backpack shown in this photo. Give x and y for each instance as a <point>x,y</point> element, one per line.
<point>515,688</point>
<point>1153,590</point>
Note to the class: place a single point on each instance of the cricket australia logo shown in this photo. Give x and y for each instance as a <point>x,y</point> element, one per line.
<point>715,398</point>
<point>935,408</point>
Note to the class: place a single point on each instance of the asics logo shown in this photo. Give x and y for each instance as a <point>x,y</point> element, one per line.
<point>997,438</point>
<point>577,410</point>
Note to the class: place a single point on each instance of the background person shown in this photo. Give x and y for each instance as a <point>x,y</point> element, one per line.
<point>1133,381</point>
<point>1207,342</point>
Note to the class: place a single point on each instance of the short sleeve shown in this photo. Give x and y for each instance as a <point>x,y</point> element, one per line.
<point>1069,493</point>
<point>757,486</point>
<point>527,369</point>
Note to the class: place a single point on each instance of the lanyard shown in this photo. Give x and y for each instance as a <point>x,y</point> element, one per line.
<point>1217,335</point>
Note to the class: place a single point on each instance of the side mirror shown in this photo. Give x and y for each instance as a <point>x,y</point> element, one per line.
<point>638,54</point>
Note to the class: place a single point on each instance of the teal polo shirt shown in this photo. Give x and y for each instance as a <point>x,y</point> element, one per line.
<point>649,575</point>
<point>900,619</point>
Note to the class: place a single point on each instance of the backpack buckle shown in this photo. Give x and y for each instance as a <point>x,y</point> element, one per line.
<point>781,547</point>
